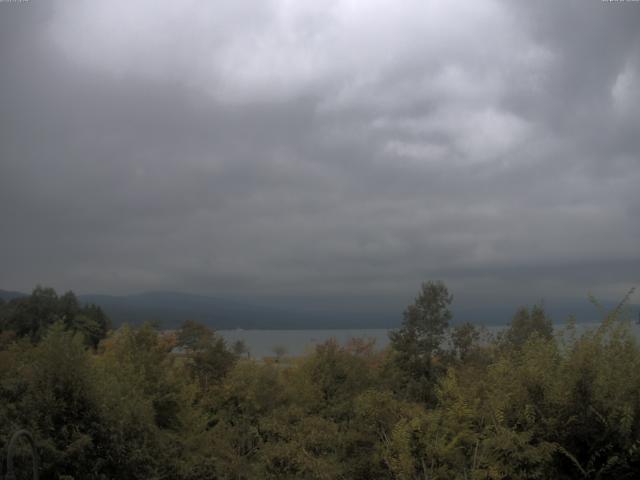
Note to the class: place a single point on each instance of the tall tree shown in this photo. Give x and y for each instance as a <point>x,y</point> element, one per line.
<point>194,335</point>
<point>32,316</point>
<point>418,340</point>
<point>463,340</point>
<point>526,323</point>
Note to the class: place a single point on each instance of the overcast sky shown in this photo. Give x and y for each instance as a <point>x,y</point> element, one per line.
<point>336,149</point>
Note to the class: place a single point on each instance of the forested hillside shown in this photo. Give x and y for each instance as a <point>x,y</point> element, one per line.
<point>441,402</point>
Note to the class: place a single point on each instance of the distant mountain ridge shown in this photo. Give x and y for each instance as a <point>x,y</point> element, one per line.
<point>10,295</point>
<point>170,309</point>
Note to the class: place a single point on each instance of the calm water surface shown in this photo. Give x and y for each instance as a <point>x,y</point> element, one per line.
<point>261,343</point>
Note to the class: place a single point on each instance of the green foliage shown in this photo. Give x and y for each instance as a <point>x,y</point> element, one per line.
<point>526,323</point>
<point>464,340</point>
<point>419,339</point>
<point>30,317</point>
<point>194,335</point>
<point>530,405</point>
<point>239,348</point>
<point>426,320</point>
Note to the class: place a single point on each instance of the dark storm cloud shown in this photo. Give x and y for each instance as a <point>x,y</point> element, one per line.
<point>350,148</point>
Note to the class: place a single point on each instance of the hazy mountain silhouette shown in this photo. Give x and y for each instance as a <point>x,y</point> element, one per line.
<point>169,309</point>
<point>10,295</point>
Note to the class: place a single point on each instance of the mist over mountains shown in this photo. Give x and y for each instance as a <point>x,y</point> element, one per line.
<point>169,309</point>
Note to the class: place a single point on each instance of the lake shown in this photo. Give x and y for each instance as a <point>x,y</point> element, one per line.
<point>297,342</point>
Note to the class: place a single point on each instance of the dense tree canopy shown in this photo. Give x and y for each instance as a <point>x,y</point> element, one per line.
<point>532,404</point>
<point>31,316</point>
<point>418,341</point>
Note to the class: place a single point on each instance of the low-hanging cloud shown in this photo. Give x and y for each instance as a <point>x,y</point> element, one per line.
<point>321,149</point>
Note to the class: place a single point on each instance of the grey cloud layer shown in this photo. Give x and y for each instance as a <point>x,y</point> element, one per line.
<point>283,148</point>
